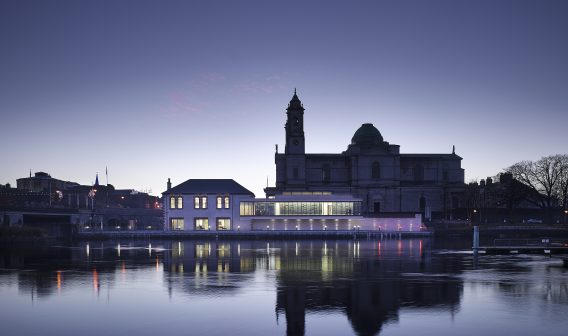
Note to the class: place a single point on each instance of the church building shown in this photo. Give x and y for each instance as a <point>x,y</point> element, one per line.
<point>370,169</point>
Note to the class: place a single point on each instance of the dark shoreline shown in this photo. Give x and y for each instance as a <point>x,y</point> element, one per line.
<point>253,235</point>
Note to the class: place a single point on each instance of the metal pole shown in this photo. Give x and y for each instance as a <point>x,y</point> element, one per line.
<point>475,239</point>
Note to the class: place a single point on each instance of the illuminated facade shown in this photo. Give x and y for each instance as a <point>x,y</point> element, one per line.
<point>224,205</point>
<point>204,205</point>
<point>371,170</point>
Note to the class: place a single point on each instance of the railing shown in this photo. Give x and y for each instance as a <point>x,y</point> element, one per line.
<point>537,242</point>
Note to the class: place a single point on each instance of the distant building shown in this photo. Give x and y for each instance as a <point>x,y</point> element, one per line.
<point>43,182</point>
<point>370,169</point>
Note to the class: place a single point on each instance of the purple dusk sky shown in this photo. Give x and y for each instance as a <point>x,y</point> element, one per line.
<point>198,89</point>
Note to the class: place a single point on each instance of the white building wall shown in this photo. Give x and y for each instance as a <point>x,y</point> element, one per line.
<point>189,213</point>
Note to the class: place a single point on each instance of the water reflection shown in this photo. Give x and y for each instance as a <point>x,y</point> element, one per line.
<point>367,284</point>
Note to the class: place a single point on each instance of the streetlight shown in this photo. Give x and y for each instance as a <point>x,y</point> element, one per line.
<point>565,215</point>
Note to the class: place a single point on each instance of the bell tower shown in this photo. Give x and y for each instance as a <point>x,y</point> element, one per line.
<point>295,141</point>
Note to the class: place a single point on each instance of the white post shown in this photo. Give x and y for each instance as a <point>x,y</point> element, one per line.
<point>475,238</point>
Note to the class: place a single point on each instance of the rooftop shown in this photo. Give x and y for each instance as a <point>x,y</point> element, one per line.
<point>209,186</point>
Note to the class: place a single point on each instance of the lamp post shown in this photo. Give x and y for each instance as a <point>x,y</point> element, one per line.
<point>565,215</point>
<point>474,213</point>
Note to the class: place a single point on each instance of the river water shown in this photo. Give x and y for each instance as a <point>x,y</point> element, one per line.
<point>343,287</point>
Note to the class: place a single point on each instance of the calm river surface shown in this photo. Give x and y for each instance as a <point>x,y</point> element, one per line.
<point>344,287</point>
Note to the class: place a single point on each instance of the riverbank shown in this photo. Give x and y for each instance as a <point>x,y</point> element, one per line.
<point>98,235</point>
<point>509,231</point>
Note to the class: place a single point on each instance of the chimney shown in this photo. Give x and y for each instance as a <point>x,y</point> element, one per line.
<point>169,184</point>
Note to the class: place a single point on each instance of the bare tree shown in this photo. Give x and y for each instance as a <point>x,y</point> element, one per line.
<point>547,178</point>
<point>561,190</point>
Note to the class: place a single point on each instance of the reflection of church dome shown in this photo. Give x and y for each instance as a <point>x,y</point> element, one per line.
<point>367,135</point>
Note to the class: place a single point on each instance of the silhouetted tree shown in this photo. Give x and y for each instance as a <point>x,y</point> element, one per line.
<point>561,190</point>
<point>547,177</point>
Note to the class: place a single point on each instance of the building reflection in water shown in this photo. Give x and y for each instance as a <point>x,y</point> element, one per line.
<point>368,281</point>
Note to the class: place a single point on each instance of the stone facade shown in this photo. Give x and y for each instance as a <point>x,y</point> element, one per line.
<point>370,169</point>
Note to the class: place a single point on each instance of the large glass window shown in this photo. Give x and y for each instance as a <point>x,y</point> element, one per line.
<point>264,209</point>
<point>201,223</point>
<point>223,223</point>
<point>247,208</point>
<point>176,223</point>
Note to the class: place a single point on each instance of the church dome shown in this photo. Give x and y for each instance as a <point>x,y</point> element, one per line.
<point>367,135</point>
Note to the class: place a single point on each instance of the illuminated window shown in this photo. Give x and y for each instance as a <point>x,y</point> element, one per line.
<point>223,223</point>
<point>176,223</point>
<point>247,209</point>
<point>219,202</point>
<point>227,202</point>
<point>264,209</point>
<point>176,202</point>
<point>200,202</point>
<point>201,223</point>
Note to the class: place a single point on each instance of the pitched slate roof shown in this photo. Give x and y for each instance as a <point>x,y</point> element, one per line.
<point>209,186</point>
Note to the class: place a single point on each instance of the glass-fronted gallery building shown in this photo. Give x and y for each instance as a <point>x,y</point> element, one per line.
<point>224,205</point>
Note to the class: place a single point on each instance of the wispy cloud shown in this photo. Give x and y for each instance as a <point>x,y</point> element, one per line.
<point>203,91</point>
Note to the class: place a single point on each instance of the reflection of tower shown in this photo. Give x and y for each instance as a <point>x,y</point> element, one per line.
<point>370,306</point>
<point>294,301</point>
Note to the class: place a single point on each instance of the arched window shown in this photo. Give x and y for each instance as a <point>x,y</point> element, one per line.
<point>376,171</point>
<point>418,173</point>
<point>326,173</point>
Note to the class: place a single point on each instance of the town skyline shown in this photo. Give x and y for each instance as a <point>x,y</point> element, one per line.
<point>203,94</point>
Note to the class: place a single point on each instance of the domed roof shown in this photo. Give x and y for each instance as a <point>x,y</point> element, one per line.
<point>367,135</point>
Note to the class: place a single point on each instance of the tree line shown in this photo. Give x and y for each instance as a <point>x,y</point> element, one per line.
<point>547,178</point>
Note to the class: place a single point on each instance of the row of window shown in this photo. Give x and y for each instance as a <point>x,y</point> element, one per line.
<point>418,172</point>
<point>201,224</point>
<point>200,202</point>
<point>300,208</point>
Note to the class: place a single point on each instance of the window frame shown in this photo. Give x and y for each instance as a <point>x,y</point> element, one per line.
<point>223,218</point>
<point>206,227</point>
<point>172,219</point>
